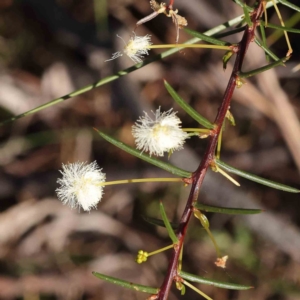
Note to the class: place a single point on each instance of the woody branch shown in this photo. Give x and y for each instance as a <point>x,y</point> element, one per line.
<point>199,174</point>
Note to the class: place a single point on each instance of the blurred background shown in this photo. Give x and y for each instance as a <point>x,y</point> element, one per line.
<point>47,251</point>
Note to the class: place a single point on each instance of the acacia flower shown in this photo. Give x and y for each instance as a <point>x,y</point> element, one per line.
<point>81,185</point>
<point>136,48</point>
<point>159,135</point>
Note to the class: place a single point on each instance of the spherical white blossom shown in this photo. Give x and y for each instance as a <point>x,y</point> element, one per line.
<point>159,135</point>
<point>81,185</point>
<point>135,49</point>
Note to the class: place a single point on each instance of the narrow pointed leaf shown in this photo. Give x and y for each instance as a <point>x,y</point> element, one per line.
<point>127,284</point>
<point>220,284</point>
<point>263,33</point>
<point>159,222</point>
<point>264,40</point>
<point>230,32</point>
<point>290,23</point>
<point>225,210</point>
<point>81,90</point>
<point>279,62</point>
<point>247,15</point>
<point>226,58</point>
<point>206,38</point>
<point>290,5</point>
<point>288,29</point>
<point>158,163</point>
<point>121,73</point>
<point>242,4</point>
<point>171,232</point>
<point>267,50</point>
<point>187,108</point>
<point>257,179</point>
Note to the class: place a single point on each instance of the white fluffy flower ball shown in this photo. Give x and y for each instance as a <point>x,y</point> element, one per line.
<point>135,49</point>
<point>81,185</point>
<point>159,135</point>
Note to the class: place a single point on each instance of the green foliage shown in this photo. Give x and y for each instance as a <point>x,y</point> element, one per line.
<point>290,5</point>
<point>269,183</point>
<point>206,38</point>
<point>219,284</point>
<point>225,210</point>
<point>127,284</point>
<point>187,108</point>
<point>158,222</point>
<point>168,226</point>
<point>154,161</point>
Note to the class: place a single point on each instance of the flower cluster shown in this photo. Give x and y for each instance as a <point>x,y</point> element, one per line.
<point>159,135</point>
<point>142,256</point>
<point>135,49</point>
<point>81,185</point>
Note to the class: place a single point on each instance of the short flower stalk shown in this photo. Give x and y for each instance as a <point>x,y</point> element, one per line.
<point>140,180</point>
<point>183,46</point>
<point>217,169</point>
<point>290,50</point>
<point>196,290</point>
<point>205,223</point>
<point>200,132</point>
<point>82,184</point>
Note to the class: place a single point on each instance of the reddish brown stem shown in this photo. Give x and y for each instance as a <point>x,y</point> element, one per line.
<point>170,6</point>
<point>199,174</point>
